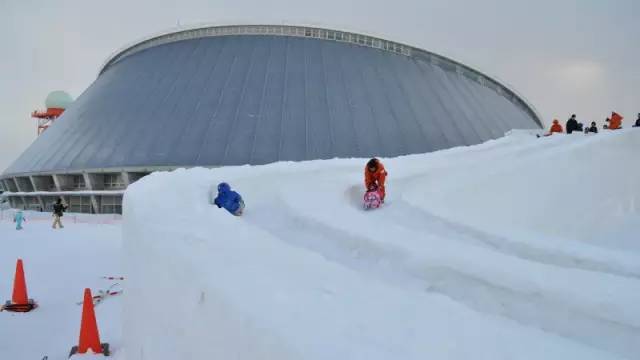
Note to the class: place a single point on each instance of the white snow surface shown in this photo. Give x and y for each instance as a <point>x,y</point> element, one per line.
<point>58,265</point>
<point>519,248</point>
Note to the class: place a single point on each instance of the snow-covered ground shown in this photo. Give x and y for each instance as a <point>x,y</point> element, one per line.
<point>519,248</point>
<point>58,265</point>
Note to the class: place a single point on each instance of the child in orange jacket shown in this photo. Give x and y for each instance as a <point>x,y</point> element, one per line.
<point>555,128</point>
<point>375,174</point>
<point>615,122</point>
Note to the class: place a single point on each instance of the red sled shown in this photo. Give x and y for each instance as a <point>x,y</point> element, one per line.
<point>372,200</point>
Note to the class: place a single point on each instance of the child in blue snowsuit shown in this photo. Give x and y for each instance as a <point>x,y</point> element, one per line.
<point>229,199</point>
<point>18,218</point>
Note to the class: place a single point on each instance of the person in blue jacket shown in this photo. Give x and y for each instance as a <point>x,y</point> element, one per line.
<point>229,199</point>
<point>18,218</point>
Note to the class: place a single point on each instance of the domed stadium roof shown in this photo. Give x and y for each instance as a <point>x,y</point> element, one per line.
<point>257,94</point>
<point>58,99</point>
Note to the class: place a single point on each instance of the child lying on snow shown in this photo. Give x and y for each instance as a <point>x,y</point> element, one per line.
<point>229,199</point>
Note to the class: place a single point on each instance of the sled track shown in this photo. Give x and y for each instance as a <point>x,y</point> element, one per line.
<point>398,268</point>
<point>415,218</point>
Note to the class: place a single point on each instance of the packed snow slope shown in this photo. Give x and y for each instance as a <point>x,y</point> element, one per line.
<point>519,248</point>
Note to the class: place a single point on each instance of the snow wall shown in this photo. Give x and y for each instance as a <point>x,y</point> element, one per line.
<point>496,251</point>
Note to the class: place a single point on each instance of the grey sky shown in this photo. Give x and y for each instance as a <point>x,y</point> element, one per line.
<point>563,56</point>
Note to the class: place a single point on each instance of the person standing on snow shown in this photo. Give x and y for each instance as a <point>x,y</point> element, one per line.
<point>58,211</point>
<point>375,175</point>
<point>572,124</point>
<point>229,199</point>
<point>18,218</point>
<point>637,124</point>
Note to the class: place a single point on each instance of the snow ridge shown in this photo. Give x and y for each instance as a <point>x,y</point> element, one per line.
<point>467,258</point>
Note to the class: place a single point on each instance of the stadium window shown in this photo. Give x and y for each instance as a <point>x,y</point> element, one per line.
<point>48,203</point>
<point>331,35</point>
<point>33,203</point>
<point>113,181</point>
<point>78,182</point>
<point>111,205</point>
<point>80,204</point>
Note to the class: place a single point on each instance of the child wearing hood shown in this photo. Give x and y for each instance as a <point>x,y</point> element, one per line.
<point>18,218</point>
<point>229,199</point>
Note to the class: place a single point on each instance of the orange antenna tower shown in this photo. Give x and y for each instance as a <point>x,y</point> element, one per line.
<point>56,102</point>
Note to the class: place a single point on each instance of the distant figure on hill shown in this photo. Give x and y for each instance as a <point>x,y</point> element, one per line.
<point>637,124</point>
<point>573,125</point>
<point>375,174</point>
<point>58,212</point>
<point>591,129</point>
<point>18,218</point>
<point>615,122</point>
<point>555,128</point>
<point>229,199</point>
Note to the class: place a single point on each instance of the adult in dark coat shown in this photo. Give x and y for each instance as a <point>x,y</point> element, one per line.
<point>572,124</point>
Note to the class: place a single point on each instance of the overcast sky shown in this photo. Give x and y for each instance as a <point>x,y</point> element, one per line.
<point>564,56</point>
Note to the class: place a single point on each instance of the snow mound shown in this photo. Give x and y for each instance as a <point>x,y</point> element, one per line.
<point>496,251</point>
<point>577,188</point>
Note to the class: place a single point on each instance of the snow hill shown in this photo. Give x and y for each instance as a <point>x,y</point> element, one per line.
<point>519,248</point>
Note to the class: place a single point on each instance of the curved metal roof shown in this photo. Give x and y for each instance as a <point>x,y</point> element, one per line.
<point>255,99</point>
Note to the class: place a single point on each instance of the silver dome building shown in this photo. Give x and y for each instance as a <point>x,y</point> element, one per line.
<point>255,94</point>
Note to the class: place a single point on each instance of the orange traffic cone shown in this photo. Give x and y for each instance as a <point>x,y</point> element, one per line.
<point>89,336</point>
<point>20,301</point>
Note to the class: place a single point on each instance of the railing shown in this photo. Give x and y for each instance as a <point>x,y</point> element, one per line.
<point>281,30</point>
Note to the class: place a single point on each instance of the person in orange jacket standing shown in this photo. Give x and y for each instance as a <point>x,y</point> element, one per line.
<point>375,174</point>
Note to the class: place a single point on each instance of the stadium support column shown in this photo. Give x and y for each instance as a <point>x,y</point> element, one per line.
<point>125,178</point>
<point>56,182</point>
<point>17,182</point>
<point>36,188</point>
<point>20,190</point>
<point>89,184</point>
